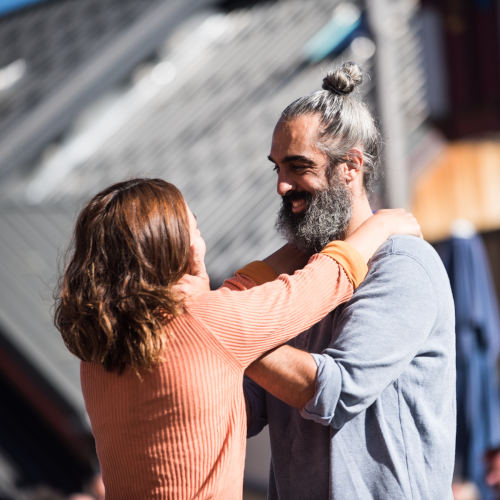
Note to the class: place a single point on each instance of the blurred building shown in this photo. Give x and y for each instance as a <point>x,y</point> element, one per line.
<point>189,90</point>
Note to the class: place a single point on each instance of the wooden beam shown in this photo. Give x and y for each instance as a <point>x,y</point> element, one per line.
<point>463,183</point>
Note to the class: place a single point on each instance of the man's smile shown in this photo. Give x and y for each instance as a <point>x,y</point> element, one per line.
<point>298,206</point>
<point>297,201</point>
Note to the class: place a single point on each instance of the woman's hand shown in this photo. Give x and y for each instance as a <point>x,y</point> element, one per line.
<point>197,281</point>
<point>397,221</point>
<point>368,237</point>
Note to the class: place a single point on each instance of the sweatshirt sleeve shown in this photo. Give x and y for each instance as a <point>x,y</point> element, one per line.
<point>380,332</point>
<point>251,322</point>
<point>255,398</point>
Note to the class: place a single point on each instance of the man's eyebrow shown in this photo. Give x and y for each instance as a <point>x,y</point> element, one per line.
<point>293,158</point>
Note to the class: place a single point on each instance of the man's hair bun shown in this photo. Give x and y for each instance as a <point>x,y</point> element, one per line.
<point>343,80</point>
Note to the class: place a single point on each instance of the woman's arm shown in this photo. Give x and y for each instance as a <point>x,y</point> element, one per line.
<point>287,259</point>
<point>253,321</point>
<point>289,373</point>
<point>366,239</point>
<point>250,322</point>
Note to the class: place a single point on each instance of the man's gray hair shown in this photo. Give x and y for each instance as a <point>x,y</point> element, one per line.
<point>346,121</point>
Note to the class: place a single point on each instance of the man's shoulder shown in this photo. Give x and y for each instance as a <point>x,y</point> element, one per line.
<point>407,266</point>
<point>409,246</point>
<point>409,253</point>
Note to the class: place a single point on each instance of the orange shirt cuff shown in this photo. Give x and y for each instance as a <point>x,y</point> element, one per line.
<point>259,272</point>
<point>349,258</point>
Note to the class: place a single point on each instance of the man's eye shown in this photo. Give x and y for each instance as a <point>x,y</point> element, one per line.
<point>298,168</point>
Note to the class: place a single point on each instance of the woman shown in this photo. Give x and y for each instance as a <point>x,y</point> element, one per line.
<point>161,376</point>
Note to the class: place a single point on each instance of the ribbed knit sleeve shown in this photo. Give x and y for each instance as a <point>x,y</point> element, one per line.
<point>258,272</point>
<point>352,262</point>
<point>253,321</point>
<point>178,432</point>
<point>254,273</point>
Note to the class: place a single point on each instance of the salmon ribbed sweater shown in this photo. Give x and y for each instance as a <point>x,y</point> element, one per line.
<point>180,432</point>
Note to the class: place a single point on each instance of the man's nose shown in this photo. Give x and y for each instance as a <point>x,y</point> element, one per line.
<point>285,184</point>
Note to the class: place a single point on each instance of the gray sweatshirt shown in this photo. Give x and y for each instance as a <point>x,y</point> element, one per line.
<point>381,424</point>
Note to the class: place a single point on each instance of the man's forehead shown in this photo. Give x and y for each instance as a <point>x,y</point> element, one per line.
<point>296,137</point>
<point>299,127</point>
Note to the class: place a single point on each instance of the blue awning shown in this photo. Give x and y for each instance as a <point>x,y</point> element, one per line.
<point>336,33</point>
<point>11,5</point>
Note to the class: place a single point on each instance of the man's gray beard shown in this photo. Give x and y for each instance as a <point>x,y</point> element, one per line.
<point>325,219</point>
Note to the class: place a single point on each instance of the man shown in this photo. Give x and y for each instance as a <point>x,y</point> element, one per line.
<point>362,406</point>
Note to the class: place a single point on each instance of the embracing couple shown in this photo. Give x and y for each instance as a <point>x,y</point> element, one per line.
<point>360,402</point>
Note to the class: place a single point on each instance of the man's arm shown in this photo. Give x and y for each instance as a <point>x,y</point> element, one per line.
<point>381,331</point>
<point>287,259</point>
<point>287,373</point>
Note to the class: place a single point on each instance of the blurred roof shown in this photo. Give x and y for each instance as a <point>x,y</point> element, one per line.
<point>201,116</point>
<point>52,39</point>
<point>59,55</point>
<point>31,238</point>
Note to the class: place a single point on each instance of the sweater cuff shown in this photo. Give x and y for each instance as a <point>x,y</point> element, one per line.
<point>259,272</point>
<point>349,258</point>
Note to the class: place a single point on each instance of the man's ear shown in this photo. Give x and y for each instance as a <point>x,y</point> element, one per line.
<point>352,168</point>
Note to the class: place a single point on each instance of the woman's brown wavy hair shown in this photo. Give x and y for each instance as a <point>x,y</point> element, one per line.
<point>131,244</point>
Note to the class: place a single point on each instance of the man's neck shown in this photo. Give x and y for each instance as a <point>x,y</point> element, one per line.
<point>361,210</point>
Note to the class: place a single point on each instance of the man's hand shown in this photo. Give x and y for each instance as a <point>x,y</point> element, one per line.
<point>372,233</point>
